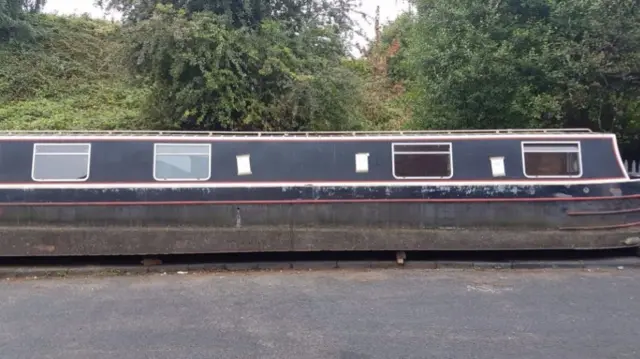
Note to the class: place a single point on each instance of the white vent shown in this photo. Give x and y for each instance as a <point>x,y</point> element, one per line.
<point>244,165</point>
<point>362,162</point>
<point>497,166</point>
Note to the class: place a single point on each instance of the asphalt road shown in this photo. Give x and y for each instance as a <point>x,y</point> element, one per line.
<point>561,314</point>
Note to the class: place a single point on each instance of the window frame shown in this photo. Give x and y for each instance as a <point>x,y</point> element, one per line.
<point>394,152</point>
<point>551,143</point>
<point>35,153</point>
<point>155,161</point>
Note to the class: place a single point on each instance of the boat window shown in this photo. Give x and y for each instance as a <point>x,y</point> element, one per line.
<point>551,159</point>
<point>497,166</point>
<point>422,160</point>
<point>182,162</point>
<point>362,162</point>
<point>243,163</point>
<point>61,162</point>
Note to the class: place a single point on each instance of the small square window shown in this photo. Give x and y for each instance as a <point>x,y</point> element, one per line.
<point>362,162</point>
<point>244,165</point>
<point>497,166</point>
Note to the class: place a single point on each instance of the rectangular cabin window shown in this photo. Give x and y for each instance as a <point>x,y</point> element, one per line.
<point>182,161</point>
<point>61,162</point>
<point>422,160</point>
<point>551,159</point>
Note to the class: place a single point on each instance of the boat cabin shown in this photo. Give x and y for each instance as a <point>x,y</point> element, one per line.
<point>289,159</point>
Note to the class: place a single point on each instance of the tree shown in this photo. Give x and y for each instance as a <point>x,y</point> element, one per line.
<point>12,24</point>
<point>382,70</point>
<point>526,63</point>
<point>293,13</point>
<point>395,40</point>
<point>243,65</point>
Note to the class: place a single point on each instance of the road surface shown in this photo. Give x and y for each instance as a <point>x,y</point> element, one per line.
<point>328,314</point>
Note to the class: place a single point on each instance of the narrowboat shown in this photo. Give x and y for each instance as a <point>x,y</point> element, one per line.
<point>142,193</point>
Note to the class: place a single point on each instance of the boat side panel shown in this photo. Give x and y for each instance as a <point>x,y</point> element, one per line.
<point>122,162</point>
<point>286,161</point>
<point>542,206</point>
<point>335,161</point>
<point>109,240</point>
<point>314,194</point>
<point>15,162</point>
<point>138,230</point>
<point>541,215</point>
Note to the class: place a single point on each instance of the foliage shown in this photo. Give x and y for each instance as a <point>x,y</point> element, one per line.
<point>12,23</point>
<point>291,14</point>
<point>188,69</point>
<point>14,9</point>
<point>69,78</point>
<point>382,105</point>
<point>533,63</point>
<point>257,68</point>
<point>395,40</point>
<point>384,101</point>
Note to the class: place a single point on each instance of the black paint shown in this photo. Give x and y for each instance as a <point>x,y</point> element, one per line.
<point>126,161</point>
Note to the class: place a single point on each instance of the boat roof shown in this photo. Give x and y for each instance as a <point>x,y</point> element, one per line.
<point>461,133</point>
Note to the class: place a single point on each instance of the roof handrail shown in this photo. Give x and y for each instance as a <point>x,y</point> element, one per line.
<point>282,134</point>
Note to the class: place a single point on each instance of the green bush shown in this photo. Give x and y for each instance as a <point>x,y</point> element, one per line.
<point>70,76</point>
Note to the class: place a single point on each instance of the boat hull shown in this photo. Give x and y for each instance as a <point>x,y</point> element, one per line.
<point>104,241</point>
<point>127,228</point>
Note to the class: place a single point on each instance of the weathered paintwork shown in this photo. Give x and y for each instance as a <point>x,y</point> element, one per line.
<point>122,160</point>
